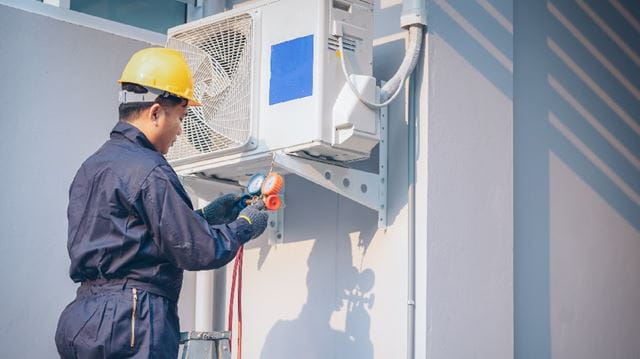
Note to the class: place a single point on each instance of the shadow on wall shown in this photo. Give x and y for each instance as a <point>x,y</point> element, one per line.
<point>593,115</point>
<point>481,31</point>
<point>334,319</point>
<point>577,79</point>
<point>574,77</point>
<point>311,334</point>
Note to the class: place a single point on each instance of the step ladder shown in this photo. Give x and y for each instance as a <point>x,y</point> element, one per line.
<point>205,345</point>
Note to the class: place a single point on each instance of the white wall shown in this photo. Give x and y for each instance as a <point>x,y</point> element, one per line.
<point>58,96</point>
<point>468,98</point>
<point>594,270</point>
<point>577,179</point>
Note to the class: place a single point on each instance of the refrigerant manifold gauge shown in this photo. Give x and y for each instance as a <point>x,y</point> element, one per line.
<point>265,188</point>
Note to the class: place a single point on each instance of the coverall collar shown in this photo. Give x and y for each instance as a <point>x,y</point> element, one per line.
<point>133,134</point>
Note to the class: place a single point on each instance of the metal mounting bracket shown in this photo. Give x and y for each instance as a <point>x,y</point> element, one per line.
<point>366,188</point>
<point>275,228</point>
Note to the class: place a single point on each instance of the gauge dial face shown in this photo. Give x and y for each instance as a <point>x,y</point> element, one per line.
<point>255,183</point>
<point>270,184</point>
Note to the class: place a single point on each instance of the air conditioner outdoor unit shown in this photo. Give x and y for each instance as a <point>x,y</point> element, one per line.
<point>270,79</point>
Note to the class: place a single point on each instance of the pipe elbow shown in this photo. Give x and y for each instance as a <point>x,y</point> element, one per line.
<point>408,63</point>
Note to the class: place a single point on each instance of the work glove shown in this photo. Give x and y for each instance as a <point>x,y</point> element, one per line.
<point>257,217</point>
<point>222,210</point>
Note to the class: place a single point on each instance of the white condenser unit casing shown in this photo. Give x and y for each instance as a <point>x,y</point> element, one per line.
<point>270,80</point>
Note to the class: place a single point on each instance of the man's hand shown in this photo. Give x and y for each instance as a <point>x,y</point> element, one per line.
<point>222,210</point>
<point>256,216</point>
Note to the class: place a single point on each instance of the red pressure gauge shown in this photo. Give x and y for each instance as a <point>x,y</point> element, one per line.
<point>272,184</point>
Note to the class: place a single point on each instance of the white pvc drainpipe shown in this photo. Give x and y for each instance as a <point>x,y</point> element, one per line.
<point>204,301</point>
<point>414,14</point>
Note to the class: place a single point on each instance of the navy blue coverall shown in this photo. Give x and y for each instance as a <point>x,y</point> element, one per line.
<point>132,231</point>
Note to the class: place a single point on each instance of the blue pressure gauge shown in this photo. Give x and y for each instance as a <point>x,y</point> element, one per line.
<point>255,183</point>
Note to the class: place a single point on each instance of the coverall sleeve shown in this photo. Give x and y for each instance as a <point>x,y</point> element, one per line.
<point>184,237</point>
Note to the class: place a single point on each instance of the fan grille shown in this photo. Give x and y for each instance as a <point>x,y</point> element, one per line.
<point>219,55</point>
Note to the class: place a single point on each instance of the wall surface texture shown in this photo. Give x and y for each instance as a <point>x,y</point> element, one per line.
<point>577,179</point>
<point>468,95</point>
<point>58,95</point>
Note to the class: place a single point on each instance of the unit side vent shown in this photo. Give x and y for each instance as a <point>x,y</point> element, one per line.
<point>349,43</point>
<point>219,55</point>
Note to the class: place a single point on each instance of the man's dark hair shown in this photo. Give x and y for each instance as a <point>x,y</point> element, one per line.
<point>129,111</point>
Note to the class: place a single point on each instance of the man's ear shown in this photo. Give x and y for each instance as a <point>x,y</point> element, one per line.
<point>154,113</point>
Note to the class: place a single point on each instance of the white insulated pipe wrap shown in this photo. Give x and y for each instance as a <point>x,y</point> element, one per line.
<point>408,63</point>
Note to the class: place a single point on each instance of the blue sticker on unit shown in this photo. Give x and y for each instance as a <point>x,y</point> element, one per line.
<point>291,70</point>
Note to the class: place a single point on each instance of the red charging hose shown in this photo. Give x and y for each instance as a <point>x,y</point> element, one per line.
<point>236,278</point>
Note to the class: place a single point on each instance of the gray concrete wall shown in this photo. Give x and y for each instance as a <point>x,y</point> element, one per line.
<point>577,179</point>
<point>58,95</point>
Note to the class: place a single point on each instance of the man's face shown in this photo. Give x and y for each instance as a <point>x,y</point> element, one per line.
<point>169,126</point>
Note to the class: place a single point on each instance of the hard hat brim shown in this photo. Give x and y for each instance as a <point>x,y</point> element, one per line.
<point>193,102</point>
<point>190,101</point>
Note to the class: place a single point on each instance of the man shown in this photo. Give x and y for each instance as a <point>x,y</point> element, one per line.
<point>132,228</point>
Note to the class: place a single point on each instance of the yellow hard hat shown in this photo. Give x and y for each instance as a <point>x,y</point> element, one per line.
<point>162,69</point>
